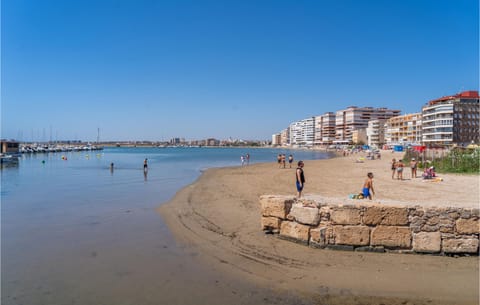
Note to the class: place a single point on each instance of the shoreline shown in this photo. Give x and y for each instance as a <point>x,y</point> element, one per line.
<point>205,216</point>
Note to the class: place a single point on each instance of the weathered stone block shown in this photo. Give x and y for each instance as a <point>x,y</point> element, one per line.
<point>460,245</point>
<point>319,236</point>
<point>468,226</point>
<point>271,223</point>
<point>427,242</point>
<point>352,235</point>
<point>416,223</point>
<point>276,206</point>
<point>295,231</point>
<point>305,214</point>
<point>345,216</point>
<point>389,216</point>
<point>391,236</point>
<point>324,213</point>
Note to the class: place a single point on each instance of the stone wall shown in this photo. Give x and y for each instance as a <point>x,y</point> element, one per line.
<point>362,226</point>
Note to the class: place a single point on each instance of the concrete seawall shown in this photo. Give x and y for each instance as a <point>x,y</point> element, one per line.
<point>363,226</point>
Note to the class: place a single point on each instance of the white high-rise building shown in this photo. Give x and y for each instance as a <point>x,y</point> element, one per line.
<point>302,133</point>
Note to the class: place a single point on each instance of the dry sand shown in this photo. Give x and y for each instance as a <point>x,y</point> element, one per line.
<point>219,216</point>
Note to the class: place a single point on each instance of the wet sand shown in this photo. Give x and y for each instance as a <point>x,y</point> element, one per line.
<point>218,217</point>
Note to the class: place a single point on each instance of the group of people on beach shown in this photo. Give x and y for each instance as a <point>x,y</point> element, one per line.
<point>282,160</point>
<point>367,189</point>
<point>398,166</point>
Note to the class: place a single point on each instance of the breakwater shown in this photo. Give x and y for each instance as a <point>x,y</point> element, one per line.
<point>363,226</point>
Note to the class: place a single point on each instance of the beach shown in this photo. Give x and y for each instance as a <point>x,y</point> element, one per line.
<point>218,217</point>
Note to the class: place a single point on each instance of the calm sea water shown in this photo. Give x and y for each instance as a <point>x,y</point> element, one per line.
<point>74,232</point>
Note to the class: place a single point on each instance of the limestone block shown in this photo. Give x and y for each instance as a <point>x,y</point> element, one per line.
<point>306,215</point>
<point>271,223</point>
<point>319,236</point>
<point>416,211</point>
<point>389,216</point>
<point>432,212</point>
<point>416,223</point>
<point>295,230</point>
<point>460,245</point>
<point>391,236</point>
<point>427,242</point>
<point>276,206</point>
<point>325,213</point>
<point>468,226</point>
<point>345,216</point>
<point>352,235</point>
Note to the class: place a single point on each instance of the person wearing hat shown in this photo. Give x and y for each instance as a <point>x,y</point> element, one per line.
<point>413,167</point>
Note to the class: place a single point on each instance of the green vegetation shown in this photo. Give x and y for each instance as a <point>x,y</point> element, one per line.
<point>456,161</point>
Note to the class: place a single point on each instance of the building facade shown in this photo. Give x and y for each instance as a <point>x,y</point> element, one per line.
<point>359,136</point>
<point>302,133</point>
<point>276,139</point>
<point>324,129</point>
<point>376,133</point>
<point>285,137</point>
<point>353,118</point>
<point>404,130</point>
<point>452,120</point>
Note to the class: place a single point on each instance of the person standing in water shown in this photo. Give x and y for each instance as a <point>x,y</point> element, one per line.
<point>300,176</point>
<point>145,165</point>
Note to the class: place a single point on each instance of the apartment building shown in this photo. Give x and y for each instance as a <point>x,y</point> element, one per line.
<point>359,136</point>
<point>285,137</point>
<point>452,120</point>
<point>276,139</point>
<point>324,129</point>
<point>302,133</point>
<point>404,129</point>
<point>376,133</point>
<point>353,118</point>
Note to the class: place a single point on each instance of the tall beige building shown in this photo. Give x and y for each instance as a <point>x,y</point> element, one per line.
<point>324,129</point>
<point>353,118</point>
<point>285,137</point>
<point>404,129</point>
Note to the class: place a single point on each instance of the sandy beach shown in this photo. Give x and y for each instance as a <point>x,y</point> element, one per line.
<point>219,217</point>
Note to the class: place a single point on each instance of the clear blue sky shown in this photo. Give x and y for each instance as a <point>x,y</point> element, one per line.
<point>153,70</point>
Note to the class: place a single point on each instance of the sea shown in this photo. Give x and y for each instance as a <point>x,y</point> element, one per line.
<point>74,230</point>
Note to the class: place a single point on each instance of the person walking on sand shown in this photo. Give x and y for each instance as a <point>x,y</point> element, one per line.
<point>290,160</point>
<point>247,158</point>
<point>279,160</point>
<point>242,158</point>
<point>300,176</point>
<point>393,167</point>
<point>413,167</point>
<point>283,160</point>
<point>400,167</point>
<point>367,186</point>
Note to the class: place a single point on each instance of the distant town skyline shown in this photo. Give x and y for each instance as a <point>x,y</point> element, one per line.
<point>156,70</point>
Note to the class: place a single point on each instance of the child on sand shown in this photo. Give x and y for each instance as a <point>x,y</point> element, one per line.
<point>367,186</point>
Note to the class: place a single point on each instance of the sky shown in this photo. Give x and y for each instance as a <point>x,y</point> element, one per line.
<point>242,69</point>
